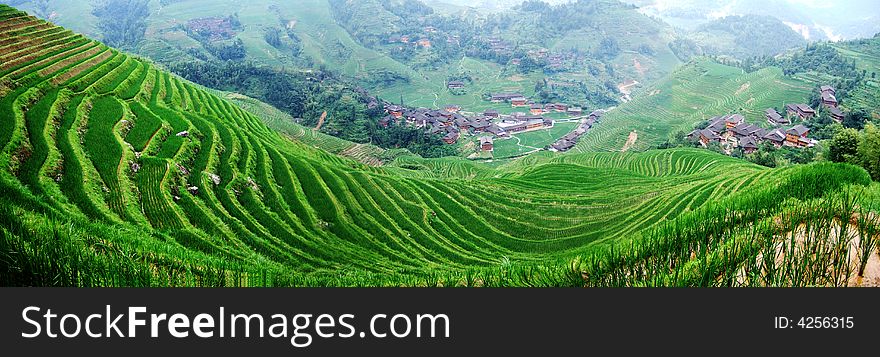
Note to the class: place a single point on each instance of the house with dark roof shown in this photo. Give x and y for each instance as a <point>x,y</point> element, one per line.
<point>744,130</point>
<point>504,97</point>
<point>575,111</point>
<point>829,100</point>
<point>491,113</point>
<point>707,136</point>
<point>487,143</point>
<point>836,114</point>
<point>451,137</point>
<point>796,133</point>
<point>774,118</point>
<point>455,85</point>
<point>536,109</point>
<point>732,120</point>
<point>829,96</point>
<point>519,102</point>
<point>717,124</point>
<point>748,144</point>
<point>828,89</point>
<point>802,111</point>
<point>776,137</point>
<point>563,145</point>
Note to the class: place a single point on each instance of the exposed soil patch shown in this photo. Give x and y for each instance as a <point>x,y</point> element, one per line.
<point>639,67</point>
<point>744,88</point>
<point>626,87</point>
<point>633,137</point>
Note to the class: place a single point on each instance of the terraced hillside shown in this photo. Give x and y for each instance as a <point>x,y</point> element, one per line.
<point>693,93</point>
<point>116,173</point>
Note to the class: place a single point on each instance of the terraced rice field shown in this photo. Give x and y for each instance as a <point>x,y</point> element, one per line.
<point>161,182</point>
<point>693,93</point>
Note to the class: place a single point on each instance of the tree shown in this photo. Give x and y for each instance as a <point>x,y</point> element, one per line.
<point>855,119</point>
<point>869,151</point>
<point>122,23</point>
<point>844,147</point>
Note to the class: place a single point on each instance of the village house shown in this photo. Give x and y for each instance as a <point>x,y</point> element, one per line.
<point>829,99</point>
<point>395,111</point>
<point>487,143</point>
<point>575,111</point>
<point>836,114</point>
<point>563,145</point>
<point>731,121</point>
<point>537,109</point>
<point>452,137</point>
<point>746,130</point>
<point>496,130</point>
<point>504,97</point>
<point>707,136</point>
<point>775,137</point>
<point>796,134</point>
<point>802,111</point>
<point>492,113</point>
<point>453,108</point>
<point>455,85</point>
<point>519,102</point>
<point>748,145</point>
<point>775,119</point>
<point>560,107</point>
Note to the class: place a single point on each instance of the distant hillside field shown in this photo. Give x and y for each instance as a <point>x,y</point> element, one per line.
<point>694,93</point>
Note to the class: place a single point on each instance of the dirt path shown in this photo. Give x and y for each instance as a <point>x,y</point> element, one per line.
<point>321,121</point>
<point>633,137</point>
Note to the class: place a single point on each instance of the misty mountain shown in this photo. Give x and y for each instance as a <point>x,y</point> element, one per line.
<point>814,20</point>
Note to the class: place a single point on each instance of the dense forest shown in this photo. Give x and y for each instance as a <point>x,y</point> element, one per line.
<point>746,36</point>
<point>122,23</point>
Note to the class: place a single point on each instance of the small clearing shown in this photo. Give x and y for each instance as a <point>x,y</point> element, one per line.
<point>633,137</point>
<point>639,67</point>
<point>744,88</point>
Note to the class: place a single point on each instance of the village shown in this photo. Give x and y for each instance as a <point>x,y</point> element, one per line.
<point>452,122</point>
<point>731,131</point>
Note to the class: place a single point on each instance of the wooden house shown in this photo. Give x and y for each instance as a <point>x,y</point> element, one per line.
<point>802,111</point>
<point>795,134</point>
<point>836,114</point>
<point>774,118</point>
<point>487,143</point>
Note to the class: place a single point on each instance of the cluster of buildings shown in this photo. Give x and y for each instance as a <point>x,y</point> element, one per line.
<point>451,123</point>
<point>517,100</point>
<point>406,39</point>
<point>734,131</point>
<point>571,139</point>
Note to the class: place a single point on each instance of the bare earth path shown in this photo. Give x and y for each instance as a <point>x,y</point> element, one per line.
<point>633,137</point>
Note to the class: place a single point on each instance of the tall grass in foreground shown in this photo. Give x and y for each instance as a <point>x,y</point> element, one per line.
<point>796,233</point>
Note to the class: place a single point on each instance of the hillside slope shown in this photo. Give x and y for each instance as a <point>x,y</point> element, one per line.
<point>695,92</point>
<point>116,173</point>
